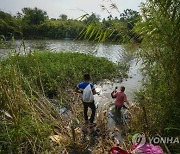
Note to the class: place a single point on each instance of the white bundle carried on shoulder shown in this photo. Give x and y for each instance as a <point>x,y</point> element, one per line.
<point>87,94</point>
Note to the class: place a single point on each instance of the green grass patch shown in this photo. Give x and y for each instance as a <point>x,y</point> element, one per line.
<point>48,71</point>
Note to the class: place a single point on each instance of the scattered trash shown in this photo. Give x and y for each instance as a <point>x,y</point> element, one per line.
<point>63,110</point>
<point>111,114</point>
<point>116,141</point>
<point>6,113</point>
<point>88,151</point>
<point>60,138</point>
<point>147,148</point>
<point>117,150</point>
<point>97,105</point>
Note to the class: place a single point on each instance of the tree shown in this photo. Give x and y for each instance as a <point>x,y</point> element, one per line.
<point>34,16</point>
<point>93,18</point>
<point>63,17</point>
<point>8,25</point>
<point>129,17</point>
<point>160,56</point>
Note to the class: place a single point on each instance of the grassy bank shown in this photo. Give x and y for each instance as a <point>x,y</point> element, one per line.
<point>47,71</point>
<point>27,82</point>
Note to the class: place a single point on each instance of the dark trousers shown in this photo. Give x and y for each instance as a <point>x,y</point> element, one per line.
<point>93,109</point>
<point>118,111</point>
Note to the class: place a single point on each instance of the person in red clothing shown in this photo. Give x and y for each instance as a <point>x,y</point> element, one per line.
<point>120,98</point>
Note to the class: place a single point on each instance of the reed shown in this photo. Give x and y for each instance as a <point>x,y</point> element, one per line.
<point>32,89</point>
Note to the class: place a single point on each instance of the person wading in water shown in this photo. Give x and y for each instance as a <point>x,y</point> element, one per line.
<point>120,99</point>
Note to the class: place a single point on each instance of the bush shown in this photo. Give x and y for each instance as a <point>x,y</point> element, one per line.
<point>47,71</point>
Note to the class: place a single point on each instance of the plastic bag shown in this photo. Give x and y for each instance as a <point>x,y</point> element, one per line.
<point>87,94</point>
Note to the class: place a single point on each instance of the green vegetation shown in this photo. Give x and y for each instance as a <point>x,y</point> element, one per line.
<point>114,29</point>
<point>159,37</point>
<point>26,81</point>
<point>160,55</point>
<point>35,24</point>
<point>28,118</point>
<point>53,70</point>
<point>8,25</point>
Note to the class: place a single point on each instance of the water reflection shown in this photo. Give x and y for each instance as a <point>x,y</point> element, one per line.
<point>111,51</point>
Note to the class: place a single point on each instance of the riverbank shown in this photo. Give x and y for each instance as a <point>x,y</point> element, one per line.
<point>32,89</point>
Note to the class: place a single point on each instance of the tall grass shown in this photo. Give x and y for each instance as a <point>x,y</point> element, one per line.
<point>28,116</point>
<point>159,29</point>
<point>48,71</point>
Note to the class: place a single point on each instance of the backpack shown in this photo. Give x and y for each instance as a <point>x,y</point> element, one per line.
<point>87,94</point>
